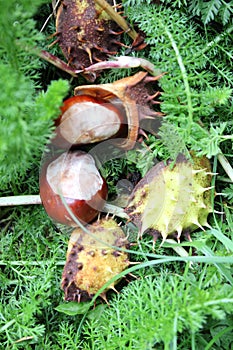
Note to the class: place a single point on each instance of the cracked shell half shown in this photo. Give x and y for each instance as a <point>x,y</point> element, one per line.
<point>134,96</point>
<point>86,33</point>
<point>86,120</point>
<point>92,261</point>
<point>172,201</point>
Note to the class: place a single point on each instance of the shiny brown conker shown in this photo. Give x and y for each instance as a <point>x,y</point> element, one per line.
<point>85,119</point>
<point>72,177</point>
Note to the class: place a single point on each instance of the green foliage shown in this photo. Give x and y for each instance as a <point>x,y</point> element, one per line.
<point>228,192</point>
<point>73,308</point>
<point>172,141</point>
<point>192,95</point>
<point>133,163</point>
<point>29,280</point>
<point>160,308</point>
<point>212,10</point>
<point>26,124</point>
<point>26,114</point>
<point>18,36</point>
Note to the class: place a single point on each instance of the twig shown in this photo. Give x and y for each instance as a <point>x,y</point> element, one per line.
<point>35,199</point>
<point>226,165</point>
<point>57,62</point>
<point>117,18</point>
<point>20,200</point>
<point>55,5</point>
<point>125,62</point>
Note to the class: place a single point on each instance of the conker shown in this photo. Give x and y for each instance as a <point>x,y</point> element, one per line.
<point>72,177</point>
<point>86,119</point>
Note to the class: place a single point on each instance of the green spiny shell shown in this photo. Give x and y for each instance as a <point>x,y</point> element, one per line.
<point>172,200</point>
<point>91,261</point>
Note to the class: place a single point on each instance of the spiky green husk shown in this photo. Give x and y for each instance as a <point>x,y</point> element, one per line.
<point>172,200</point>
<point>92,261</point>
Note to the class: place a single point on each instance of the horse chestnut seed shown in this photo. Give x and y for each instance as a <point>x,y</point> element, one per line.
<point>72,177</point>
<point>86,119</point>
